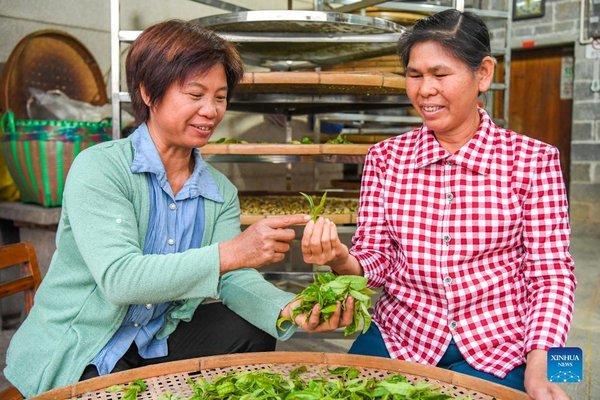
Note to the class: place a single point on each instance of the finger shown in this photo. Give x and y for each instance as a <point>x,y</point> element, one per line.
<point>281,247</point>
<point>306,237</point>
<point>348,314</point>
<point>315,316</point>
<point>277,257</point>
<point>317,237</point>
<point>334,320</point>
<point>333,233</point>
<point>282,234</point>
<point>283,221</point>
<point>287,310</point>
<point>326,238</point>
<point>306,320</point>
<point>558,393</point>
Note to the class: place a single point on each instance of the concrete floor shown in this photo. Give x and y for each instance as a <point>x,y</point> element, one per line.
<point>585,330</point>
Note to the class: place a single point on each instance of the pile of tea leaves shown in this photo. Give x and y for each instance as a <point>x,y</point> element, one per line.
<point>344,383</point>
<point>328,290</point>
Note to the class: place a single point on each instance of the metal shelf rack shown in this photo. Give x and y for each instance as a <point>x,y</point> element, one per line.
<point>499,22</point>
<point>322,37</point>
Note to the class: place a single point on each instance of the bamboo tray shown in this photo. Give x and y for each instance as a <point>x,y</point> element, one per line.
<point>172,377</point>
<point>280,203</point>
<point>322,82</point>
<point>285,149</point>
<point>338,219</point>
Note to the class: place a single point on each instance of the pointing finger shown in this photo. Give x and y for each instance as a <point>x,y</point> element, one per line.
<point>284,221</point>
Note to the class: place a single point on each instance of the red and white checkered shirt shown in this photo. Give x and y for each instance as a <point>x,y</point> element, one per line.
<point>472,246</point>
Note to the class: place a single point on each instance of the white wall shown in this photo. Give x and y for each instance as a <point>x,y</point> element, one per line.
<point>89,22</point>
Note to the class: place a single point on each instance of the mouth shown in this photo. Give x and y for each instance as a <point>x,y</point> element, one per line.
<point>203,128</point>
<point>431,109</point>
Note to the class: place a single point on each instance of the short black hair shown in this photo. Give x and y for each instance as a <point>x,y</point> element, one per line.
<point>168,53</point>
<point>463,34</point>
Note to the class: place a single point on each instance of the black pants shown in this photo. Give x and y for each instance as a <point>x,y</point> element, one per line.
<point>213,330</point>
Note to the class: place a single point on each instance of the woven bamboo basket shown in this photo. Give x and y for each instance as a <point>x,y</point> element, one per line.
<point>171,377</point>
<point>46,60</point>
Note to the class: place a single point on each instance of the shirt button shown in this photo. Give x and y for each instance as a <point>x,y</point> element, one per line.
<point>449,197</point>
<point>448,281</point>
<point>447,239</point>
<point>453,324</point>
<point>136,325</point>
<point>172,206</point>
<point>148,306</point>
<point>170,242</point>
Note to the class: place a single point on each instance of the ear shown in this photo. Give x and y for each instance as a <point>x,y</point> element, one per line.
<point>486,74</point>
<point>145,95</point>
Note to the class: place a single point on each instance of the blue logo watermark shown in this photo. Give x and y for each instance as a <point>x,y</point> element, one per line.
<point>565,364</point>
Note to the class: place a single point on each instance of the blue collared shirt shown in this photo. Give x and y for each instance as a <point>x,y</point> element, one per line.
<point>175,224</point>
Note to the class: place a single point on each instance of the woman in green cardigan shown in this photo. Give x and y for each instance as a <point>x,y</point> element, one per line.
<point>149,232</point>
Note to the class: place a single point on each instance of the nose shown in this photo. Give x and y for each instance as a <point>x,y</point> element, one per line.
<point>208,109</point>
<point>428,87</point>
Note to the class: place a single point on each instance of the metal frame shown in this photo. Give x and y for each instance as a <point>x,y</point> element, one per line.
<point>117,36</point>
<point>388,33</point>
<point>115,68</point>
<point>505,51</point>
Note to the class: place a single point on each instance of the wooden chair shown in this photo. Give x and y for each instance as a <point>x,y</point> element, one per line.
<point>19,256</point>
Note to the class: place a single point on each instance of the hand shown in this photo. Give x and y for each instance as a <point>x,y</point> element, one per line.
<point>321,244</point>
<point>537,384</point>
<point>262,243</point>
<point>340,318</point>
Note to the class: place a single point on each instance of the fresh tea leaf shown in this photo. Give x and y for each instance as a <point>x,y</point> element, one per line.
<point>315,210</point>
<point>327,290</point>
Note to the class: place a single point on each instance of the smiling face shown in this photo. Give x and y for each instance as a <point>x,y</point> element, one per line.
<point>444,90</point>
<point>188,114</point>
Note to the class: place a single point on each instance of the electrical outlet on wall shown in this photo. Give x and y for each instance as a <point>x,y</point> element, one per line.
<point>592,51</point>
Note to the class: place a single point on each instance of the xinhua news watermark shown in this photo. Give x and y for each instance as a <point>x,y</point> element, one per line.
<point>565,364</point>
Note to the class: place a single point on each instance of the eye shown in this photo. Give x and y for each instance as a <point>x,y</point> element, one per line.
<point>196,95</point>
<point>221,98</point>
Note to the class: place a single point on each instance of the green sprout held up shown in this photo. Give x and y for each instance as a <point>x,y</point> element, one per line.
<point>315,210</point>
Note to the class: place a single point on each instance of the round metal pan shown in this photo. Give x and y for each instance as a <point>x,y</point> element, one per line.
<point>296,39</point>
<point>298,21</point>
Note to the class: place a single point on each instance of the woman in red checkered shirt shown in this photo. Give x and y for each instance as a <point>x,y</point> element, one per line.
<point>462,224</point>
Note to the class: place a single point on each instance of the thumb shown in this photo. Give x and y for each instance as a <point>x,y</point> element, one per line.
<point>284,221</point>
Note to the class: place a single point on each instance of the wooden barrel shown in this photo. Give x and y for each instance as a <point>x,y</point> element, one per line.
<point>172,377</point>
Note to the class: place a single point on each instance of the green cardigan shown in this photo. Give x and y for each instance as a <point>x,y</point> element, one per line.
<point>98,270</point>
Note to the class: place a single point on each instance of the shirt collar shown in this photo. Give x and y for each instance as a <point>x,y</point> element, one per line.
<point>475,155</point>
<point>147,160</point>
